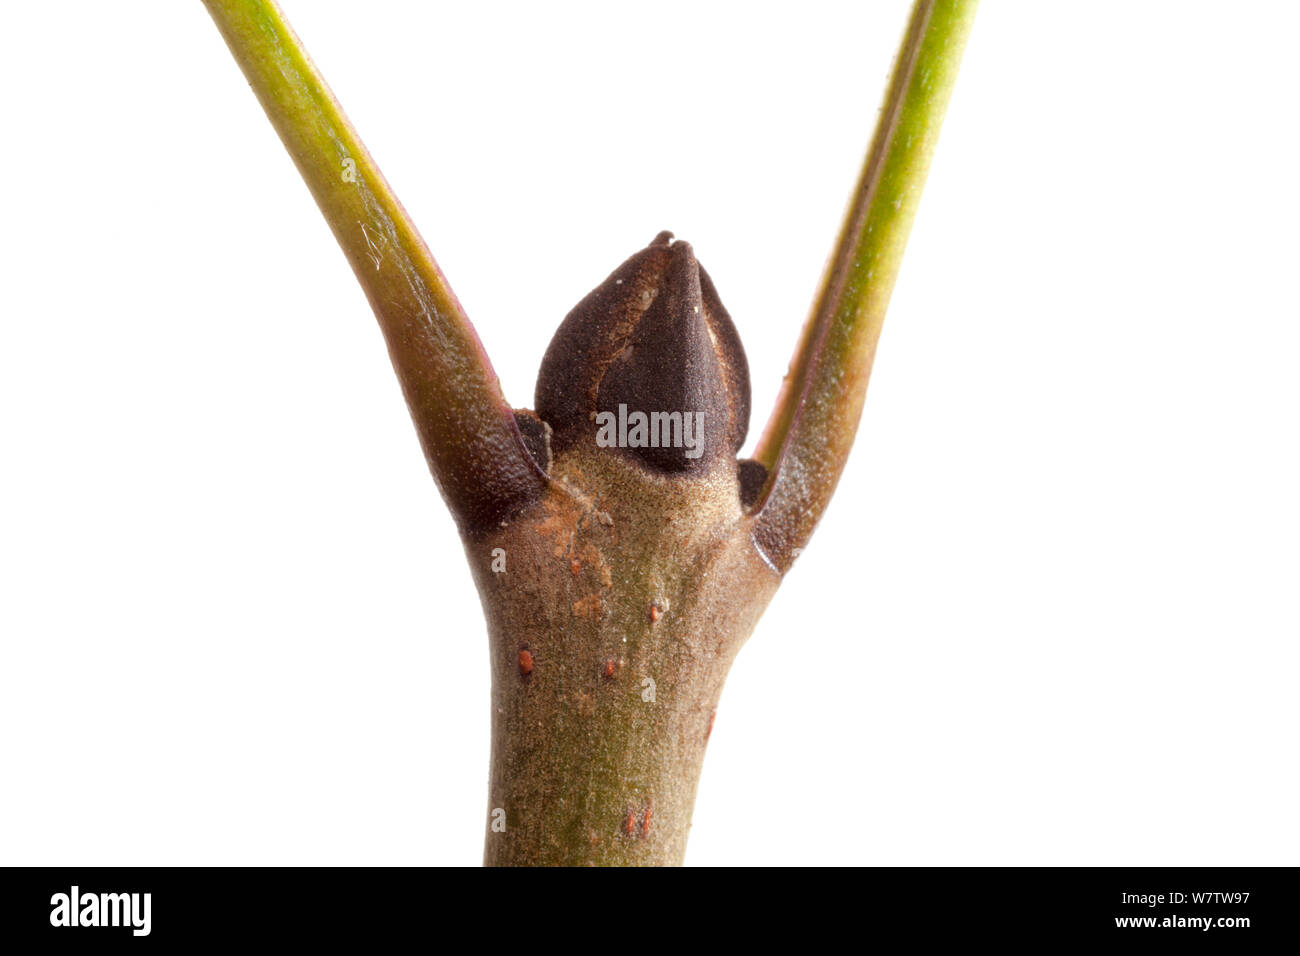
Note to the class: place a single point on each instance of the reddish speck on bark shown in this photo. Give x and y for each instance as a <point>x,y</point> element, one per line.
<point>575,567</point>
<point>712,717</point>
<point>611,667</point>
<point>525,662</point>
<point>655,613</point>
<point>630,825</point>
<point>645,822</point>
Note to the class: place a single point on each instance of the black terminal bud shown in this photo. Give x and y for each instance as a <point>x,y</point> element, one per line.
<point>649,363</point>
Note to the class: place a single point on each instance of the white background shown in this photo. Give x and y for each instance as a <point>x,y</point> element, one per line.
<point>1050,618</point>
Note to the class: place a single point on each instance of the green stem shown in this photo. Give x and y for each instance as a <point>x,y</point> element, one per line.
<point>808,438</point>
<point>615,606</point>
<point>467,429</point>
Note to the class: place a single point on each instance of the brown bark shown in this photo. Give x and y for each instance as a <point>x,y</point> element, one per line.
<point>618,603</point>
